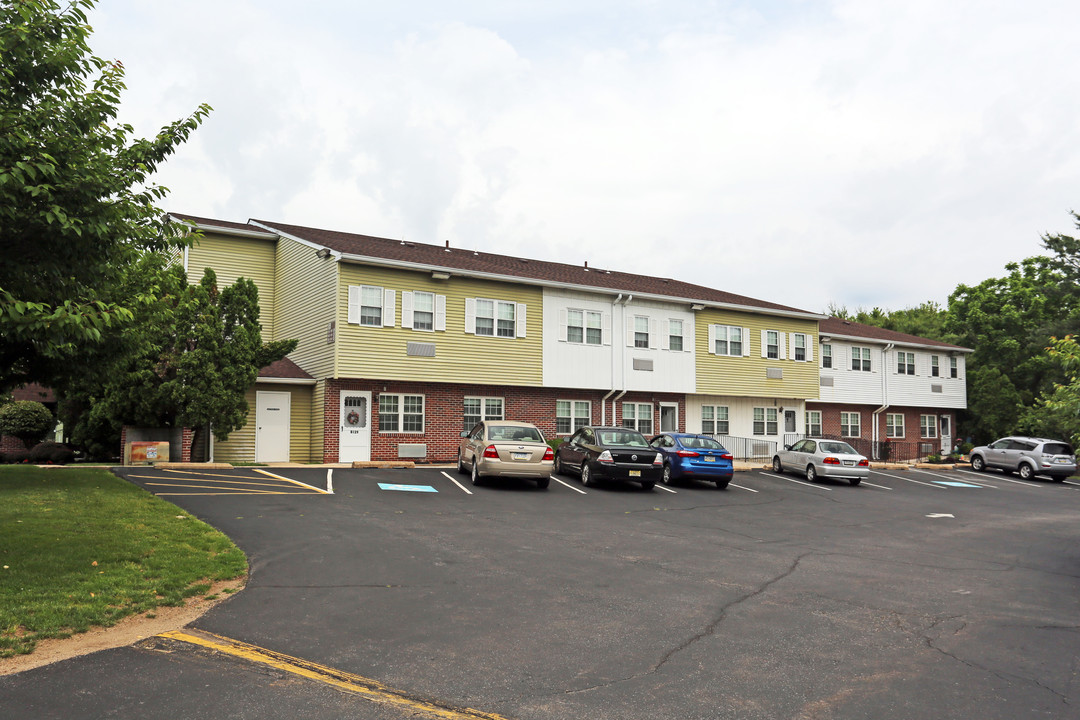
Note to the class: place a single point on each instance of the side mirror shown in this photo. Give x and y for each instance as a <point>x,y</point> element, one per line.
<point>787,447</point>
<point>463,433</point>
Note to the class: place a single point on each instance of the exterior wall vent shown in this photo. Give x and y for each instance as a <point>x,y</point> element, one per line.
<point>774,373</point>
<point>415,349</point>
<point>935,388</point>
<point>412,450</point>
<point>642,364</point>
<point>827,381</point>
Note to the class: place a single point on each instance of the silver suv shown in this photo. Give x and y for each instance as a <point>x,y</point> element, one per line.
<point>1028,456</point>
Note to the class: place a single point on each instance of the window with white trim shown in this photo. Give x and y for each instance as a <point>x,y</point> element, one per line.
<point>494,318</point>
<point>714,420</point>
<point>371,306</point>
<point>423,311</point>
<point>860,359</point>
<point>476,409</point>
<point>727,340</point>
<point>894,425</point>
<point>953,368</point>
<point>641,331</point>
<point>813,422</point>
<point>850,424</point>
<point>935,368</point>
<point>772,345</point>
<point>905,363</point>
<point>638,416</point>
<point>826,355</point>
<point>928,426</point>
<point>765,421</point>
<point>798,350</point>
<point>675,335</point>
<point>571,415</point>
<point>585,327</point>
<point>401,413</point>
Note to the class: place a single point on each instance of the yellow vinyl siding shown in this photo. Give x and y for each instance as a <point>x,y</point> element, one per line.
<point>305,306</point>
<point>746,376</point>
<point>240,447</point>
<point>232,258</point>
<point>374,352</point>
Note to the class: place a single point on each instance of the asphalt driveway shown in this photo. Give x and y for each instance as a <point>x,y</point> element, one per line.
<point>917,594</point>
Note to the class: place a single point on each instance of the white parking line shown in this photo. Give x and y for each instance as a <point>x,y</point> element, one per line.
<point>917,482</point>
<point>665,487</point>
<point>800,482</point>
<point>454,480</point>
<point>577,490</point>
<point>742,488</point>
<point>877,486</point>
<point>997,477</point>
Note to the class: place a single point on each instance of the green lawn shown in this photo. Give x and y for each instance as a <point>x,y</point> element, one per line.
<point>80,547</point>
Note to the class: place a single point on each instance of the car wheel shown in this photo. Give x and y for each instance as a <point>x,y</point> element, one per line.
<point>460,465</point>
<point>978,464</point>
<point>648,485</point>
<point>776,466</point>
<point>1026,472</point>
<point>811,473</point>
<point>856,481</point>
<point>586,475</point>
<point>543,483</point>
<point>722,484</point>
<point>558,465</point>
<point>475,473</point>
<point>666,477</point>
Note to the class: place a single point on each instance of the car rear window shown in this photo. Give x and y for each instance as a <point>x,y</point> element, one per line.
<point>703,443</point>
<point>623,438</point>
<point>514,433</point>
<point>1057,449</point>
<point>838,447</point>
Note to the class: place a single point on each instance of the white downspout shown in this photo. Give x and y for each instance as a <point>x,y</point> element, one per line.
<point>875,433</point>
<point>603,407</point>
<point>613,401</point>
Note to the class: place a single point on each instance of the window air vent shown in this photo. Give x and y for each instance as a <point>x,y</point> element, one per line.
<point>415,349</point>
<point>774,373</point>
<point>642,364</point>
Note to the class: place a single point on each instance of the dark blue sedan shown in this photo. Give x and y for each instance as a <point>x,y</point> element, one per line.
<point>693,456</point>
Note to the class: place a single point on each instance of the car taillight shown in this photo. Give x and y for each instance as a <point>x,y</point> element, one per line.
<point>687,453</point>
<point>549,454</point>
<point>491,452</point>
<point>831,461</point>
<point>659,459</point>
<point>605,457</point>
<point>727,456</point>
<point>864,463</point>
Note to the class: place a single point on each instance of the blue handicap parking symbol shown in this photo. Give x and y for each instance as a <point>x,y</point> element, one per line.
<point>407,488</point>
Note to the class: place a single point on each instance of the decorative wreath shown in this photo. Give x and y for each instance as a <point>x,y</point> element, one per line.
<point>353,417</point>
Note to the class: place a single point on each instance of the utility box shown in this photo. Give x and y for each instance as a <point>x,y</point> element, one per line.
<point>145,452</point>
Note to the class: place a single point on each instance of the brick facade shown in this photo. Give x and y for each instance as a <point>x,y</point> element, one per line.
<point>911,445</point>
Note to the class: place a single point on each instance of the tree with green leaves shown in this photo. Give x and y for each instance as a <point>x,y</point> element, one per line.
<point>1056,413</point>
<point>27,420</point>
<point>77,210</point>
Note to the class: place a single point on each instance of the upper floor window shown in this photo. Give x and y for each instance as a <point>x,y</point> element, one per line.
<point>894,425</point>
<point>641,332</point>
<point>905,363</point>
<point>494,318</point>
<point>371,306</point>
<point>727,340</point>
<point>826,355</point>
<point>675,334</point>
<point>860,359</point>
<point>714,419</point>
<point>772,344</point>
<point>953,367</point>
<point>935,368</point>
<point>798,350</point>
<point>584,326</point>
<point>765,421</point>
<point>481,408</point>
<point>423,311</point>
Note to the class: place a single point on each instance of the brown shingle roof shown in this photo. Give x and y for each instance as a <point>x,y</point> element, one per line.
<point>469,261</point>
<point>227,224</point>
<point>284,369</point>
<point>838,326</point>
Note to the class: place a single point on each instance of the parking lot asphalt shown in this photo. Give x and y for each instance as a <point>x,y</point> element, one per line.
<point>920,593</point>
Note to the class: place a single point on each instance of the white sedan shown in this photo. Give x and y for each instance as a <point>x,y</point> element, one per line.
<point>821,457</point>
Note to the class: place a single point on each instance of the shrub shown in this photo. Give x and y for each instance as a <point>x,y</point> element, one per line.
<point>16,456</point>
<point>52,452</point>
<point>27,420</point>
<point>935,458</point>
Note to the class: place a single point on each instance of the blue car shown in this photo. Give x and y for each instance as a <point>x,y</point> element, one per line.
<point>698,457</point>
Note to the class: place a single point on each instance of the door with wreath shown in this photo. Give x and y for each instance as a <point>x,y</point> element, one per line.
<point>354,443</point>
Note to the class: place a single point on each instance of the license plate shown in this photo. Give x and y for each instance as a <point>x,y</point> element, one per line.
<point>710,458</point>
<point>635,473</point>
<point>520,456</point>
<point>849,463</point>
<point>1062,461</point>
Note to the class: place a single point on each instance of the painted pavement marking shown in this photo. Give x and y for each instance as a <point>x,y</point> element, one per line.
<point>454,480</point>
<point>564,484</point>
<point>329,482</point>
<point>917,482</point>
<point>742,488</point>
<point>407,488</point>
<point>1001,477</point>
<point>665,487</point>
<point>800,482</point>
<point>371,689</point>
<point>883,487</point>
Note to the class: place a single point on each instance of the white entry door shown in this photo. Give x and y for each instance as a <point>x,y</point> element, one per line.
<point>355,440</point>
<point>669,417</point>
<point>272,424</point>
<point>946,434</point>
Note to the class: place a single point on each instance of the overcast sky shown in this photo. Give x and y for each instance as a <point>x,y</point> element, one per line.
<point>804,152</point>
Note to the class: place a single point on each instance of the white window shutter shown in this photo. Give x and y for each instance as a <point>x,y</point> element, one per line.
<point>654,330</point>
<point>520,320</point>
<point>564,320</point>
<point>712,339</point>
<point>809,348</point>
<point>781,340</point>
<point>629,331</point>
<point>440,312</point>
<point>764,343</point>
<point>746,342</point>
<point>665,335</point>
<point>606,328</point>
<point>406,309</point>
<point>470,315</point>
<point>389,317</point>
<point>354,304</point>
<point>688,336</point>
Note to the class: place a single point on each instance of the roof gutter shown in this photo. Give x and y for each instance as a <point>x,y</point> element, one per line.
<point>255,234</point>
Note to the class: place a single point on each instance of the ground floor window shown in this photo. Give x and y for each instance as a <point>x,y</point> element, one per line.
<point>571,415</point>
<point>765,421</point>
<point>638,416</point>
<point>401,413</point>
<point>849,425</point>
<point>928,426</point>
<point>481,408</point>
<point>813,423</point>
<point>894,425</point>
<point>714,419</point>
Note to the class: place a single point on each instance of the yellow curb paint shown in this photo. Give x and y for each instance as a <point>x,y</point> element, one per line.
<point>371,689</point>
<point>294,482</point>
